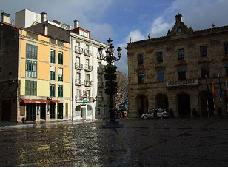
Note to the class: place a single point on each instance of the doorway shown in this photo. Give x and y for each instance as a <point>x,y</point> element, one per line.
<point>60,110</point>
<point>43,111</point>
<point>184,109</point>
<point>142,104</point>
<point>161,101</point>
<point>31,112</point>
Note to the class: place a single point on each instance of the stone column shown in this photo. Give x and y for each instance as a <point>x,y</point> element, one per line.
<point>48,112</point>
<point>38,111</point>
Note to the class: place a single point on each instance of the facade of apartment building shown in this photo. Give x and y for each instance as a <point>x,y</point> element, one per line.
<point>35,74</point>
<point>185,71</point>
<point>89,99</point>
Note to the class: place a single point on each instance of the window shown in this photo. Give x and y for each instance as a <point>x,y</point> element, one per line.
<point>140,59</point>
<point>204,72</point>
<point>87,62</point>
<point>179,30</point>
<point>141,77</point>
<point>87,47</point>
<point>52,56</point>
<point>226,47</point>
<point>159,57</point>
<point>161,76</point>
<point>52,73</point>
<point>181,54</point>
<point>87,77</point>
<point>88,93</point>
<point>31,51</point>
<point>52,90</point>
<point>60,74</point>
<point>203,51</point>
<point>78,78</point>
<point>78,94</point>
<point>31,69</point>
<point>60,91</point>
<point>182,75</point>
<point>30,88</point>
<point>78,61</point>
<point>60,58</point>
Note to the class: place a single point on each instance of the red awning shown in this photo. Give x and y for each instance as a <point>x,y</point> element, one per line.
<point>25,101</point>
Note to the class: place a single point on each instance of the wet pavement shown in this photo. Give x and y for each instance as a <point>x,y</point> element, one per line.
<point>170,142</point>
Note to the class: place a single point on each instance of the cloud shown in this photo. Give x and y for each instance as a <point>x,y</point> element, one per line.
<point>134,35</point>
<point>201,14</point>
<point>159,27</point>
<point>88,12</point>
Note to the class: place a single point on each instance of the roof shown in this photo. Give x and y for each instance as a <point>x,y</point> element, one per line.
<point>186,32</point>
<point>53,31</point>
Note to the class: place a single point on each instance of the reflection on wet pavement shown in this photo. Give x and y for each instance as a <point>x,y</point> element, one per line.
<point>138,143</point>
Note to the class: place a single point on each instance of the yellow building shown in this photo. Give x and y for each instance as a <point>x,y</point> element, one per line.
<point>39,75</point>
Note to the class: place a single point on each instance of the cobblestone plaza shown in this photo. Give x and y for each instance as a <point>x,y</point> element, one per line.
<point>170,142</point>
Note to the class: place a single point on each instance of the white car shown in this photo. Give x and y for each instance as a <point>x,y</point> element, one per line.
<point>147,116</point>
<point>156,113</point>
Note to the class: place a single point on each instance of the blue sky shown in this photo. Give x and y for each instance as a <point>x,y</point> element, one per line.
<point>122,19</point>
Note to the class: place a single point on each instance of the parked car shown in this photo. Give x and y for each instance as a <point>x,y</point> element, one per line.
<point>155,113</point>
<point>162,113</point>
<point>147,115</point>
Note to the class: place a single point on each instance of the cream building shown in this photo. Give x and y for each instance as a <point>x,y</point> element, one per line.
<point>89,99</point>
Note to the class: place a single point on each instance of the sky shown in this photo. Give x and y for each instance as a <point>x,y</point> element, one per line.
<point>124,19</point>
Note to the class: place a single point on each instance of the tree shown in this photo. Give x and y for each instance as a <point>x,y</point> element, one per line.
<point>122,88</point>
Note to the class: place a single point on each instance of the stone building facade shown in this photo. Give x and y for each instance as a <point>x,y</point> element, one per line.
<point>185,71</point>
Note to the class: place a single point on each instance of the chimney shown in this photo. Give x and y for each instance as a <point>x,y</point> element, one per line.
<point>178,18</point>
<point>43,17</point>
<point>5,17</point>
<point>76,24</point>
<point>45,29</point>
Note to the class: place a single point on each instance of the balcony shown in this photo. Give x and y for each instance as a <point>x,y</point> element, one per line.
<point>78,50</point>
<point>87,83</point>
<point>78,98</point>
<point>87,52</point>
<point>78,66</point>
<point>183,83</point>
<point>78,82</point>
<point>88,68</point>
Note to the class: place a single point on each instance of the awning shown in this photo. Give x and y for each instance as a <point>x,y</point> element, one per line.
<point>26,101</point>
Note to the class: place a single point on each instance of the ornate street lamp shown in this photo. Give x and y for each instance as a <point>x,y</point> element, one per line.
<point>110,74</point>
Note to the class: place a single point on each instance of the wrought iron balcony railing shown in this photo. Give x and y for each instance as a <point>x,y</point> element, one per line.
<point>87,83</point>
<point>78,50</point>
<point>78,82</point>
<point>88,68</point>
<point>78,66</point>
<point>183,83</point>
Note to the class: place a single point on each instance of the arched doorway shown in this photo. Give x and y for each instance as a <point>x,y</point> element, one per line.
<point>183,105</point>
<point>161,101</point>
<point>142,104</point>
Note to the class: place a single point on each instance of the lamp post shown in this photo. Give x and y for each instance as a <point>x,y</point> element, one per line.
<point>110,74</point>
